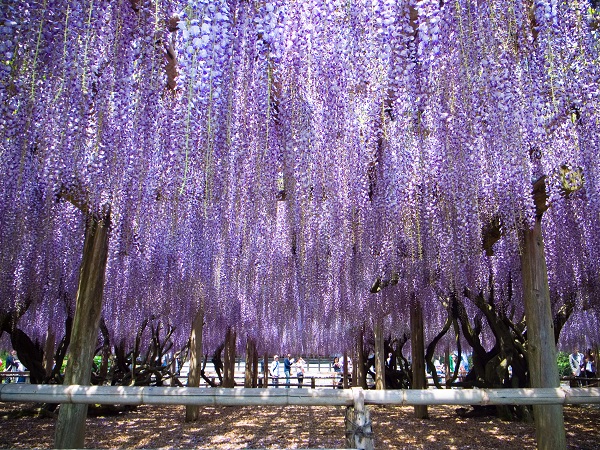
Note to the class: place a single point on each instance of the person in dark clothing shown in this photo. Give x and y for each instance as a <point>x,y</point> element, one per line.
<point>287,368</point>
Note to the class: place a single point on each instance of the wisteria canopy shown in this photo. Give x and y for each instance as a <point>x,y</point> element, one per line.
<point>281,161</point>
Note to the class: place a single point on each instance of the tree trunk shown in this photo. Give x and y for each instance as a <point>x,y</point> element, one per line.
<point>254,366</point>
<point>229,369</point>
<point>266,370</point>
<point>549,421</point>
<point>250,351</point>
<point>30,354</point>
<point>419,380</point>
<point>345,371</point>
<point>49,351</point>
<point>379,355</point>
<point>354,369</point>
<point>103,372</point>
<point>70,426</point>
<point>361,373</point>
<point>447,373</point>
<point>192,412</point>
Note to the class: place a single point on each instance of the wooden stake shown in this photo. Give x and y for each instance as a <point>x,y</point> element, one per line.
<point>549,420</point>
<point>70,426</point>
<point>379,356</point>
<point>192,412</point>
<point>417,342</point>
<point>359,432</point>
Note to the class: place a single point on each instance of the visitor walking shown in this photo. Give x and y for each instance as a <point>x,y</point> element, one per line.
<point>300,368</point>
<point>275,370</point>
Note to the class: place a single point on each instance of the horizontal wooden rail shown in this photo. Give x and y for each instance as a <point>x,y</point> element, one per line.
<point>138,395</point>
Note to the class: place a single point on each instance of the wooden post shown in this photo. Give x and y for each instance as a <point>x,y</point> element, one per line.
<point>360,360</point>
<point>345,371</point>
<point>354,369</point>
<point>379,355</point>
<point>359,433</point>
<point>192,412</point>
<point>447,373</point>
<point>229,360</point>
<point>49,351</point>
<point>417,342</point>
<point>70,426</point>
<point>266,370</point>
<point>254,366</point>
<point>549,420</point>
<point>250,350</point>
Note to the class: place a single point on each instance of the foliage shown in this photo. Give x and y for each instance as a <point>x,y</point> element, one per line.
<point>564,369</point>
<point>303,150</point>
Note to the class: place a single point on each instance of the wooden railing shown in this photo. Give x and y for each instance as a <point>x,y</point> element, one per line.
<point>14,376</point>
<point>358,422</point>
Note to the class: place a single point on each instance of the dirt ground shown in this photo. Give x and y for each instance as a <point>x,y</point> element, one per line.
<point>290,427</point>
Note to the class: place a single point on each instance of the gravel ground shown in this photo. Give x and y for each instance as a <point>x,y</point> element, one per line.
<point>290,427</point>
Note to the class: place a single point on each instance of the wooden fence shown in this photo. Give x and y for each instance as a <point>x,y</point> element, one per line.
<point>358,423</point>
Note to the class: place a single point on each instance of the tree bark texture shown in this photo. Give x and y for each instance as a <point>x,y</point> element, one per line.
<point>379,355</point>
<point>70,426</point>
<point>254,366</point>
<point>419,380</point>
<point>361,374</point>
<point>192,412</point>
<point>266,370</point>
<point>229,369</point>
<point>250,353</point>
<point>549,420</point>
<point>345,371</point>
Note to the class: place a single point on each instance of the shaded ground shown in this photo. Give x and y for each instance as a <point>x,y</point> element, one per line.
<point>291,427</point>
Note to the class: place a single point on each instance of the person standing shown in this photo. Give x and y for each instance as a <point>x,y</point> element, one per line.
<point>275,370</point>
<point>300,368</point>
<point>12,364</point>
<point>589,366</point>
<point>337,368</point>
<point>576,362</point>
<point>287,369</point>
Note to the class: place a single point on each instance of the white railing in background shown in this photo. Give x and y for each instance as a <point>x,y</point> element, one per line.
<point>357,421</point>
<point>139,395</point>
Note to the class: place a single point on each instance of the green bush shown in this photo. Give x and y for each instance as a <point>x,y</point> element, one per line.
<point>564,369</point>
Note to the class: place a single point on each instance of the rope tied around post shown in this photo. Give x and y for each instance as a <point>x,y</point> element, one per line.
<point>359,432</point>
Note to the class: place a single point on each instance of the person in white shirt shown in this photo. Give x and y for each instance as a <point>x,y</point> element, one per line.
<point>300,368</point>
<point>275,370</point>
<point>575,362</point>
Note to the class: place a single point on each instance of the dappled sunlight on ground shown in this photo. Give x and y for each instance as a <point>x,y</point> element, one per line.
<point>291,427</point>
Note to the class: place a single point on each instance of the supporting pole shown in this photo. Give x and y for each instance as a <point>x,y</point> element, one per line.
<point>266,370</point>
<point>355,369</point>
<point>359,432</point>
<point>70,426</point>
<point>417,343</point>
<point>254,366</point>
<point>549,420</point>
<point>49,351</point>
<point>345,371</point>
<point>229,369</point>
<point>250,349</point>
<point>379,355</point>
<point>361,375</point>
<point>192,412</point>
